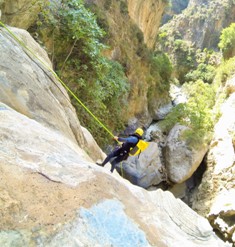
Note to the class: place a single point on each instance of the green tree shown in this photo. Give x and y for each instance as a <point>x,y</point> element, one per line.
<point>199,111</point>
<point>203,72</point>
<point>227,41</point>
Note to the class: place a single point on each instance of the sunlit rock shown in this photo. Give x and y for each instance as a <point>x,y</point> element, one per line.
<point>29,87</point>
<point>181,160</point>
<point>145,169</point>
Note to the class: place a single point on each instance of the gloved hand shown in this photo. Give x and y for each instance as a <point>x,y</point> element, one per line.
<point>115,138</point>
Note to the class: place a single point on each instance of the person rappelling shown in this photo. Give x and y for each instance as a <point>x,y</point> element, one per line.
<point>128,147</point>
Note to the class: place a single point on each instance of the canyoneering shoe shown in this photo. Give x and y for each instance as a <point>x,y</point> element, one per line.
<point>99,164</point>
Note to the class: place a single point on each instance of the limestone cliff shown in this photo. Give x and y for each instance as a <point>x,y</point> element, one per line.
<point>52,194</point>
<point>202,22</point>
<point>147,15</point>
<point>198,27</point>
<point>215,195</point>
<point>175,8</point>
<point>125,20</point>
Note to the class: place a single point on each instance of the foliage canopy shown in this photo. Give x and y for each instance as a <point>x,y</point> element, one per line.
<point>227,41</point>
<point>99,82</point>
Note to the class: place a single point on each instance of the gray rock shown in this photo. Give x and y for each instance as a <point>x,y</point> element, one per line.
<point>144,170</point>
<point>53,196</point>
<point>31,89</point>
<point>181,160</point>
<point>215,196</point>
<point>161,112</point>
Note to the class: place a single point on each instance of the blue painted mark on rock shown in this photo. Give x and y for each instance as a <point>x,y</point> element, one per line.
<point>103,225</point>
<point>107,223</point>
<point>2,108</point>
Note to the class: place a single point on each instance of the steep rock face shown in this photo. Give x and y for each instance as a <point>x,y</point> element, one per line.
<point>126,46</point>
<point>28,87</point>
<point>199,26</point>
<point>175,8</point>
<point>202,22</point>
<point>147,15</point>
<point>68,200</point>
<point>20,13</point>
<point>215,195</point>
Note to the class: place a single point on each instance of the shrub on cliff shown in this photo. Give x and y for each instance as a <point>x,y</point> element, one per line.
<point>197,113</point>
<point>162,64</point>
<point>227,41</point>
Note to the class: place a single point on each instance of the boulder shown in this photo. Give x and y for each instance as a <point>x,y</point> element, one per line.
<point>155,133</point>
<point>30,88</point>
<point>181,160</point>
<point>222,214</point>
<point>144,170</point>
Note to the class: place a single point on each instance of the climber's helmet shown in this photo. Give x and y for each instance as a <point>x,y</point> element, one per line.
<point>139,131</point>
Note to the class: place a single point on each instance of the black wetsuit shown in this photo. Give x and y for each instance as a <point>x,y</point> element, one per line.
<point>122,153</point>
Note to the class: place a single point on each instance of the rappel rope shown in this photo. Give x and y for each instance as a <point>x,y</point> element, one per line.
<point>56,76</point>
<point>21,43</point>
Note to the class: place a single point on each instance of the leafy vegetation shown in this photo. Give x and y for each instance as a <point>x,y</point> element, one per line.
<point>107,4</point>
<point>181,52</point>
<point>185,58</point>
<point>227,41</point>
<point>203,72</point>
<point>123,7</point>
<point>98,82</point>
<point>190,64</point>
<point>207,61</point>
<point>196,114</point>
<point>224,71</point>
<point>204,88</point>
<point>162,63</point>
<point>200,72</point>
<point>159,78</point>
<point>102,84</point>
<point>199,112</point>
